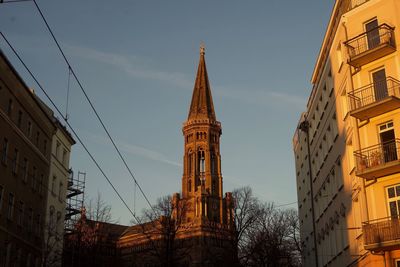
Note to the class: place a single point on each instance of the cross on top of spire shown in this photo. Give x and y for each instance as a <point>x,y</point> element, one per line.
<point>202,48</point>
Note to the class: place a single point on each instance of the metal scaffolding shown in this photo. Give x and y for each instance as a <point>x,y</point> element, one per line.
<point>75,200</point>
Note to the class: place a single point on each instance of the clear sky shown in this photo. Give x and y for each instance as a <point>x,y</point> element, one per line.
<point>138,60</point>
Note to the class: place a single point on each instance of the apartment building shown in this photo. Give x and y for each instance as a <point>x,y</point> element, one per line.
<point>26,132</point>
<point>346,144</point>
<point>59,177</point>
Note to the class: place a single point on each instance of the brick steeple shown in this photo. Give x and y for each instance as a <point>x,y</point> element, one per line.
<point>202,178</point>
<point>202,104</point>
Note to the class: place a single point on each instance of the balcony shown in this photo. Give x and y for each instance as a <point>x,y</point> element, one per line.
<point>371,45</point>
<point>382,234</point>
<point>375,99</point>
<point>379,160</point>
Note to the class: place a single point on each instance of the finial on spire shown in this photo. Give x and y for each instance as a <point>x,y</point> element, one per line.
<point>202,48</point>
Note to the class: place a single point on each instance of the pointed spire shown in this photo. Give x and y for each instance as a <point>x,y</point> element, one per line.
<point>202,106</point>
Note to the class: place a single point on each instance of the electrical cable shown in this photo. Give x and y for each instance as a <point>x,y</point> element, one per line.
<point>69,125</point>
<point>91,104</point>
<point>138,220</point>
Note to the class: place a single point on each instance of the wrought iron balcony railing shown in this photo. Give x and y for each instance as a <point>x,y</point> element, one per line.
<point>374,92</point>
<point>382,234</point>
<point>377,156</point>
<point>371,45</point>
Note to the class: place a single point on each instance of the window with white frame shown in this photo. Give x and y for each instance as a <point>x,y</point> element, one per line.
<point>393,199</point>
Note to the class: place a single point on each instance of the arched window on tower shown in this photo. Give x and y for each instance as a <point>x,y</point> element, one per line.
<point>190,162</point>
<point>202,161</point>
<point>213,163</point>
<point>190,186</point>
<point>213,187</point>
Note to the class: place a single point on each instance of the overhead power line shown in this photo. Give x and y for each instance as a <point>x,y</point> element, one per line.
<point>287,204</point>
<point>72,129</point>
<point>91,104</point>
<point>13,1</point>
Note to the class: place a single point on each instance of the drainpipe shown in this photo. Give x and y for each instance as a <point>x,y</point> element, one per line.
<point>357,134</point>
<point>304,127</point>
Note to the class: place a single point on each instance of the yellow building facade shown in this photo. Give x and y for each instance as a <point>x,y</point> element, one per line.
<point>347,146</point>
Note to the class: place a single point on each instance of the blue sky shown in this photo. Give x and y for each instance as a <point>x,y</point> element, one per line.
<point>138,59</point>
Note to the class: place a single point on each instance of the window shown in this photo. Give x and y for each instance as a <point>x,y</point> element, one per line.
<point>4,153</point>
<point>58,216</point>
<point>21,213</point>
<point>380,89</point>
<point>201,159</point>
<point>15,162</point>
<point>41,185</point>
<point>60,191</point>
<point>53,185</point>
<point>51,216</point>
<point>373,37</point>
<point>38,218</point>
<point>344,101</point>
<point>64,157</point>
<point>9,107</point>
<point>388,142</point>
<point>190,162</point>
<point>58,150</point>
<point>334,127</point>
<point>393,198</point>
<point>10,210</point>
<point>213,188</point>
<point>44,146</point>
<point>213,167</point>
<point>19,121</point>
<point>1,196</point>
<point>30,219</point>
<point>25,166</point>
<point>397,261</point>
<point>34,182</point>
<point>37,138</point>
<point>29,129</point>
<point>8,254</point>
<point>339,55</point>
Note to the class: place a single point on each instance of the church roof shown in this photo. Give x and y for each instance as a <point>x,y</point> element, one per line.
<point>202,106</point>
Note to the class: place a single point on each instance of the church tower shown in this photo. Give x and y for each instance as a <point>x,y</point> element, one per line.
<point>202,178</point>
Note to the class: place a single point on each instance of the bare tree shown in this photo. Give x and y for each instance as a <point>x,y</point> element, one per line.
<point>274,242</point>
<point>98,210</point>
<point>52,245</point>
<point>246,211</point>
<point>165,220</point>
<point>92,240</point>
